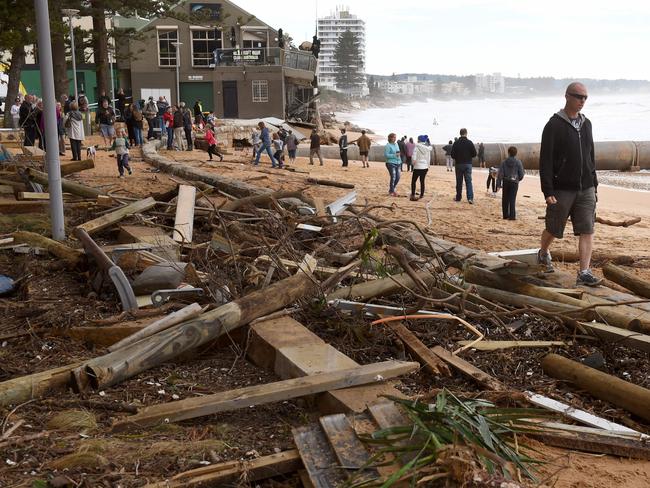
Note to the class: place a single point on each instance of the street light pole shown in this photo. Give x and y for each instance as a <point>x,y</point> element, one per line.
<point>178,45</point>
<point>52,163</point>
<point>72,12</point>
<point>111,60</point>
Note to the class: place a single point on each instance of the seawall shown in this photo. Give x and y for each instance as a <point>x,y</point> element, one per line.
<point>610,155</point>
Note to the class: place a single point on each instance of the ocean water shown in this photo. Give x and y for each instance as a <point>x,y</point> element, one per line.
<point>615,117</point>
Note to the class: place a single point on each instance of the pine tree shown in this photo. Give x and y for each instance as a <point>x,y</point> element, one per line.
<point>349,63</point>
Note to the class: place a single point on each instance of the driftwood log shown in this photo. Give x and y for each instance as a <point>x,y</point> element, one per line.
<point>337,184</point>
<point>261,200</point>
<point>73,257</point>
<point>126,362</point>
<point>76,166</point>
<point>67,185</point>
<point>619,223</point>
<point>619,316</point>
<point>627,280</point>
<point>629,396</point>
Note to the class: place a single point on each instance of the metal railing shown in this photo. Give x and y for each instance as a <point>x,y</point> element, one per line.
<point>264,56</point>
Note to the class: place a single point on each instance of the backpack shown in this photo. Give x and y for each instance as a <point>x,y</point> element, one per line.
<point>68,122</point>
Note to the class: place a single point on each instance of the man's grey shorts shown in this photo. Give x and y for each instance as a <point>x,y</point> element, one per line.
<point>579,205</point>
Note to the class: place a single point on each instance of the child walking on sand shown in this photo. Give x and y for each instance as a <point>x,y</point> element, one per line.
<point>212,142</point>
<point>121,148</point>
<point>492,180</point>
<point>278,145</point>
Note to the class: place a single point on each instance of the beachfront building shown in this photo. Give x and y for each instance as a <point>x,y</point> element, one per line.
<point>30,76</point>
<point>494,83</point>
<point>225,57</point>
<point>329,29</point>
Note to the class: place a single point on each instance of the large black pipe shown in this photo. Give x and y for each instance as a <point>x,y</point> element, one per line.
<point>610,155</point>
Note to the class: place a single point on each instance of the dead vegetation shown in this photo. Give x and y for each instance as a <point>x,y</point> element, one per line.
<point>291,291</point>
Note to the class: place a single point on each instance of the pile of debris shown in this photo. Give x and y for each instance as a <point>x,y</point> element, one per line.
<point>325,297</point>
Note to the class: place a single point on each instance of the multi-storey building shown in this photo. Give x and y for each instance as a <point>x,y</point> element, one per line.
<point>329,30</point>
<point>493,83</point>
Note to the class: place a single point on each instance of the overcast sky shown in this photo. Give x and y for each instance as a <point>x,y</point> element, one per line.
<point>560,38</point>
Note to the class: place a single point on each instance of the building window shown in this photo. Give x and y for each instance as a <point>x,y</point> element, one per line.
<point>166,48</point>
<point>254,44</point>
<point>204,45</point>
<point>260,91</point>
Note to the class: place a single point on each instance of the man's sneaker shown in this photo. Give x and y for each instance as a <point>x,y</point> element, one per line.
<point>544,261</point>
<point>471,202</point>
<point>588,279</point>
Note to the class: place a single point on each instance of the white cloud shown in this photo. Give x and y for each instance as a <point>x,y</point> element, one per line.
<point>597,38</point>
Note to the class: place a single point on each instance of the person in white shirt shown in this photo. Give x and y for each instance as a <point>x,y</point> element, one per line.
<point>15,113</point>
<point>421,162</point>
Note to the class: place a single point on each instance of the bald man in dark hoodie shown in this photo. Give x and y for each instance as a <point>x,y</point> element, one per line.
<point>567,171</point>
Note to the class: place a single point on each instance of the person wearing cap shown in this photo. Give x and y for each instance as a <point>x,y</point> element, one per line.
<point>421,161</point>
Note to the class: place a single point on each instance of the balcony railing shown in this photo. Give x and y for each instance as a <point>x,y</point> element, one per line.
<point>264,56</point>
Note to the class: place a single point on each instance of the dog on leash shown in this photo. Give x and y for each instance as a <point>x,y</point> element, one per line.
<point>91,152</point>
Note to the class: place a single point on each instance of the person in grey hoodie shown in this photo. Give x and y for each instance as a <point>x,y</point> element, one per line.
<point>511,172</point>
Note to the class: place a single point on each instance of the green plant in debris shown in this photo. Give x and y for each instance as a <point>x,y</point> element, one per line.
<point>367,255</point>
<point>453,438</point>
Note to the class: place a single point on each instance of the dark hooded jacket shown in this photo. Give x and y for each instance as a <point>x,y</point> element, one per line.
<point>511,170</point>
<point>566,158</point>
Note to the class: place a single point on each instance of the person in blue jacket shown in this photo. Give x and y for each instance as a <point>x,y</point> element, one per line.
<point>265,137</point>
<point>393,163</point>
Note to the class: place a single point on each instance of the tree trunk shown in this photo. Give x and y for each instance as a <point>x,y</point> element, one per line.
<point>127,362</point>
<point>73,257</point>
<point>59,62</point>
<point>76,166</point>
<point>13,84</point>
<point>100,47</point>
<point>619,316</point>
<point>627,280</point>
<point>629,396</point>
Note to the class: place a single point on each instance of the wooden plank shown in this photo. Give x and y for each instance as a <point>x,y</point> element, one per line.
<point>348,449</point>
<point>614,335</point>
<point>496,345</point>
<point>30,195</point>
<point>290,349</point>
<point>184,222</point>
<point>469,370</point>
<point>318,457</point>
<point>591,442</point>
<point>101,223</point>
<point>6,190</point>
<point>576,414</point>
<point>262,394</point>
<point>421,352</point>
<point>158,238</point>
<point>386,414</point>
<point>231,471</point>
<point>320,207</point>
<point>16,207</point>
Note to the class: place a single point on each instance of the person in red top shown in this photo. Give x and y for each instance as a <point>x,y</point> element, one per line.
<point>168,122</point>
<point>212,142</point>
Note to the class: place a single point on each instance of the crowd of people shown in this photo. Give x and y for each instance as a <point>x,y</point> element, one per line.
<point>567,164</point>
<point>175,125</point>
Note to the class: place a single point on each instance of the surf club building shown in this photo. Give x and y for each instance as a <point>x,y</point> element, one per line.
<point>226,57</point>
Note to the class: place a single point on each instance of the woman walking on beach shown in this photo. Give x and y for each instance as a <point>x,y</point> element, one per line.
<point>393,163</point>
<point>421,162</point>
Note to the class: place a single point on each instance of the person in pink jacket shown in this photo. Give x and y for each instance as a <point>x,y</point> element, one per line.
<point>212,142</point>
